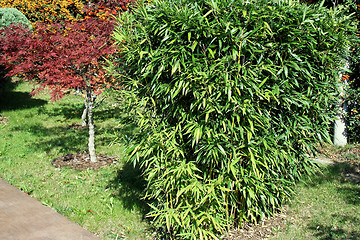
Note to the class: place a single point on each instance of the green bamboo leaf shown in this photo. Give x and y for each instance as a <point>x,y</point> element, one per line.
<point>251,123</point>
<point>195,43</point>
<point>175,67</point>
<point>212,53</point>
<point>263,82</point>
<point>221,149</point>
<point>268,27</point>
<point>198,134</point>
<point>206,14</point>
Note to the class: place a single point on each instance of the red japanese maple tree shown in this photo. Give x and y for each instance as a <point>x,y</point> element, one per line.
<point>61,56</point>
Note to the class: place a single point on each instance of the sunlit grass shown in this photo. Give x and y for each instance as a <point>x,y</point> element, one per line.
<point>106,202</point>
<point>326,208</point>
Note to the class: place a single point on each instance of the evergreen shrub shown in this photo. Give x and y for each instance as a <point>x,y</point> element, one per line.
<point>235,96</point>
<point>10,16</point>
<point>352,90</point>
<point>352,98</point>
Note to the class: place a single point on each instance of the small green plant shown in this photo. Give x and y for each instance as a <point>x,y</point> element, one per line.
<point>235,94</point>
<point>10,16</point>
<point>3,146</point>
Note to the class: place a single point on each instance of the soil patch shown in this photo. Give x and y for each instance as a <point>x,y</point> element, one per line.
<point>76,126</point>
<point>81,161</point>
<point>3,120</point>
<point>264,230</point>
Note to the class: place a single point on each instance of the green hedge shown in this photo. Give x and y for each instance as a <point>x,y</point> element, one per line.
<point>235,95</point>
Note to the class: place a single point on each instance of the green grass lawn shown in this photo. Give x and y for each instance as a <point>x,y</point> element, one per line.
<point>326,208</point>
<point>106,202</point>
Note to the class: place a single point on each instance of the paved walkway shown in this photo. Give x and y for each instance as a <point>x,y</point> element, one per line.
<point>24,218</point>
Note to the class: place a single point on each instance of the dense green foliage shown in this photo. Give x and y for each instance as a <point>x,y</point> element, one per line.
<point>12,16</point>
<point>353,90</point>
<point>235,95</point>
<point>352,98</point>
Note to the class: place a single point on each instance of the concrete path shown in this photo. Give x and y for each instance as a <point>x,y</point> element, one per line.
<point>24,218</point>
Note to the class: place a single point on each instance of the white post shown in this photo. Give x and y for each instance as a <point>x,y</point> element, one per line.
<point>340,135</point>
<point>340,138</point>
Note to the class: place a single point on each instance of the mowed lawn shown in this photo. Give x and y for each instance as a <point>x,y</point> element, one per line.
<point>326,207</point>
<point>36,131</point>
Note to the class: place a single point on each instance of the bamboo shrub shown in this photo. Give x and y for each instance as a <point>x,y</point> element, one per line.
<point>235,94</point>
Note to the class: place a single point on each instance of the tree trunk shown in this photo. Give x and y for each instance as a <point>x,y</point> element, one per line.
<point>90,106</point>
<point>85,113</point>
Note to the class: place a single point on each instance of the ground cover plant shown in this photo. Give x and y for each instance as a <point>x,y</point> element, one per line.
<point>237,95</point>
<point>34,131</point>
<point>12,16</point>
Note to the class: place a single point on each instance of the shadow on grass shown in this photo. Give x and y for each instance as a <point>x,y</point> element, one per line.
<point>330,173</point>
<point>130,186</point>
<point>12,100</point>
<point>67,110</point>
<point>324,232</point>
<point>3,81</point>
<point>106,113</point>
<point>74,138</point>
<point>351,194</point>
<point>347,175</point>
<point>349,191</point>
<point>75,110</point>
<point>48,138</point>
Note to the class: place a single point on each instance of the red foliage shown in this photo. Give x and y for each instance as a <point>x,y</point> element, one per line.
<point>60,56</point>
<point>106,9</point>
<point>112,3</point>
